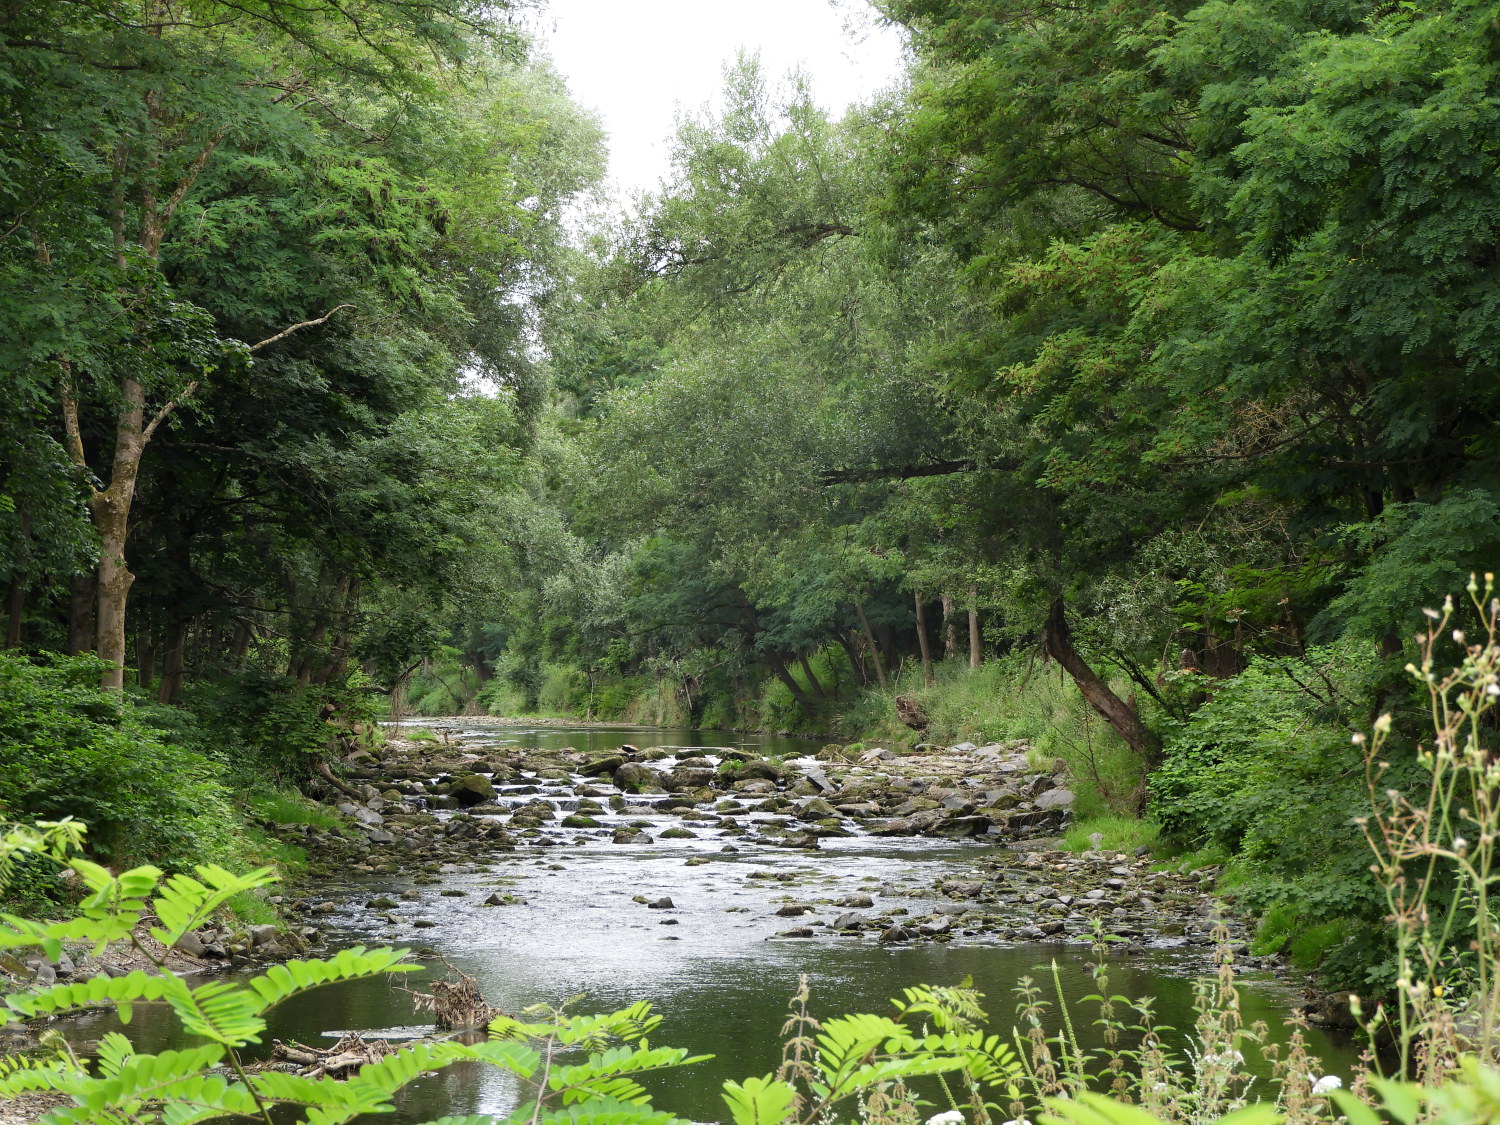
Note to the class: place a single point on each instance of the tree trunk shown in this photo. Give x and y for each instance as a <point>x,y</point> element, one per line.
<point>239,647</point>
<point>976,641</point>
<point>80,614</point>
<point>922,644</point>
<point>778,666</point>
<point>950,628</point>
<point>15,605</point>
<point>1057,642</point>
<point>145,657</point>
<point>864,622</point>
<point>812,680</point>
<point>111,512</point>
<point>173,661</point>
<point>855,660</point>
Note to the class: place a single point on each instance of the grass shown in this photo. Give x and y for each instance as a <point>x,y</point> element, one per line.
<point>1118,834</point>
<point>1015,697</point>
<point>286,808</point>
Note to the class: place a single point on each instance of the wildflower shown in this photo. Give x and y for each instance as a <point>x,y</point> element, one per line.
<point>951,1117</point>
<point>1326,1083</point>
<point>1460,845</point>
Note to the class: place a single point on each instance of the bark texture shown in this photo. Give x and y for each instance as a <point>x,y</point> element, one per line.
<point>1057,642</point>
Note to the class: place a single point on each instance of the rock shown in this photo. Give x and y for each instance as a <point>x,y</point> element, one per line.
<point>679,834</point>
<point>963,748</point>
<point>663,903</point>
<point>191,944</point>
<point>760,769</point>
<point>1055,799</point>
<point>801,932</point>
<point>603,767</point>
<point>630,836</point>
<point>381,836</point>
<point>896,933</point>
<point>856,901</point>
<point>935,926</point>
<point>791,910</point>
<point>691,777</point>
<point>473,789</point>
<point>261,936</point>
<point>578,820</point>
<point>815,808</point>
<point>961,827</point>
<point>753,786</point>
<point>633,777</point>
<point>361,813</point>
<point>849,921</point>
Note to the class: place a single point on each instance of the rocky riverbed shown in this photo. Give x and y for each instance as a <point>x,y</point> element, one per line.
<point>430,809</point>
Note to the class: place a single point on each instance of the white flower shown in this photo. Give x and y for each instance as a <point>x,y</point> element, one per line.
<point>1326,1083</point>
<point>951,1117</point>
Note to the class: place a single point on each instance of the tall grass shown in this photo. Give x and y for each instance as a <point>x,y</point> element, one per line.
<point>1014,697</point>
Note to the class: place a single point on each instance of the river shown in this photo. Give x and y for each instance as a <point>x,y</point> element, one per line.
<point>713,964</point>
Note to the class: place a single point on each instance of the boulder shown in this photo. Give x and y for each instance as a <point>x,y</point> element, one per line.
<point>663,903</point>
<point>961,827</point>
<point>816,809</point>
<point>849,921</point>
<point>856,901</point>
<point>473,789</point>
<point>1055,799</point>
<point>760,768</point>
<point>578,820</point>
<point>632,777</point>
<point>603,767</point>
<point>690,777</point>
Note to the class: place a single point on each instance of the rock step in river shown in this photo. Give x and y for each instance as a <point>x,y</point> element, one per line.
<point>422,807</point>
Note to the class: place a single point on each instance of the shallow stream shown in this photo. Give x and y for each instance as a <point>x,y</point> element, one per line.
<point>712,964</point>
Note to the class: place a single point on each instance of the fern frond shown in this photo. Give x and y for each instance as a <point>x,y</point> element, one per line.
<point>185,903</point>
<point>283,981</point>
<point>759,1101</point>
<point>600,1112</point>
<point>218,1011</point>
<point>83,994</point>
<point>605,1074</point>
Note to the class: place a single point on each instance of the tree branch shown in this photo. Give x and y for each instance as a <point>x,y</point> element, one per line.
<point>284,333</point>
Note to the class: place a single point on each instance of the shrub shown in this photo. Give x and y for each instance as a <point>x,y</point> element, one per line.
<point>68,749</point>
<point>1265,773</point>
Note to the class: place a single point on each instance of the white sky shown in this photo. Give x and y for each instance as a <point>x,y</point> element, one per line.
<point>638,62</point>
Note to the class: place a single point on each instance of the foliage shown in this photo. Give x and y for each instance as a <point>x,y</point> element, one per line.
<point>69,750</point>
<point>1265,774</point>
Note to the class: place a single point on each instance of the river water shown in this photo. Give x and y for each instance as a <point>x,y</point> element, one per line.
<point>713,964</point>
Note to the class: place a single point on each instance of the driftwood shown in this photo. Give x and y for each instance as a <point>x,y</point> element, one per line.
<point>912,713</point>
<point>456,1005</point>
<point>347,1055</point>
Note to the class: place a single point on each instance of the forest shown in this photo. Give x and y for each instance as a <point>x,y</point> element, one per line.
<point>1123,380</point>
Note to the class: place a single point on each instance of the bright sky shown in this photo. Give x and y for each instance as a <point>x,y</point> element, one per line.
<point>638,62</point>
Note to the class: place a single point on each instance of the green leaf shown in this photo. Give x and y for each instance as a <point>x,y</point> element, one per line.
<point>759,1101</point>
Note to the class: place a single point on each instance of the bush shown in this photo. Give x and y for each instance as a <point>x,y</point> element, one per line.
<point>267,727</point>
<point>68,749</point>
<point>1265,773</point>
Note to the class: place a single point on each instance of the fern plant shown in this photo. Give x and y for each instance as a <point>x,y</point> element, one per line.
<point>212,1080</point>
<point>866,1060</point>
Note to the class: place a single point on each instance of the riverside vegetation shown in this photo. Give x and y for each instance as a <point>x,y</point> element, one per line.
<point>1434,858</point>
<point>1120,382</point>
